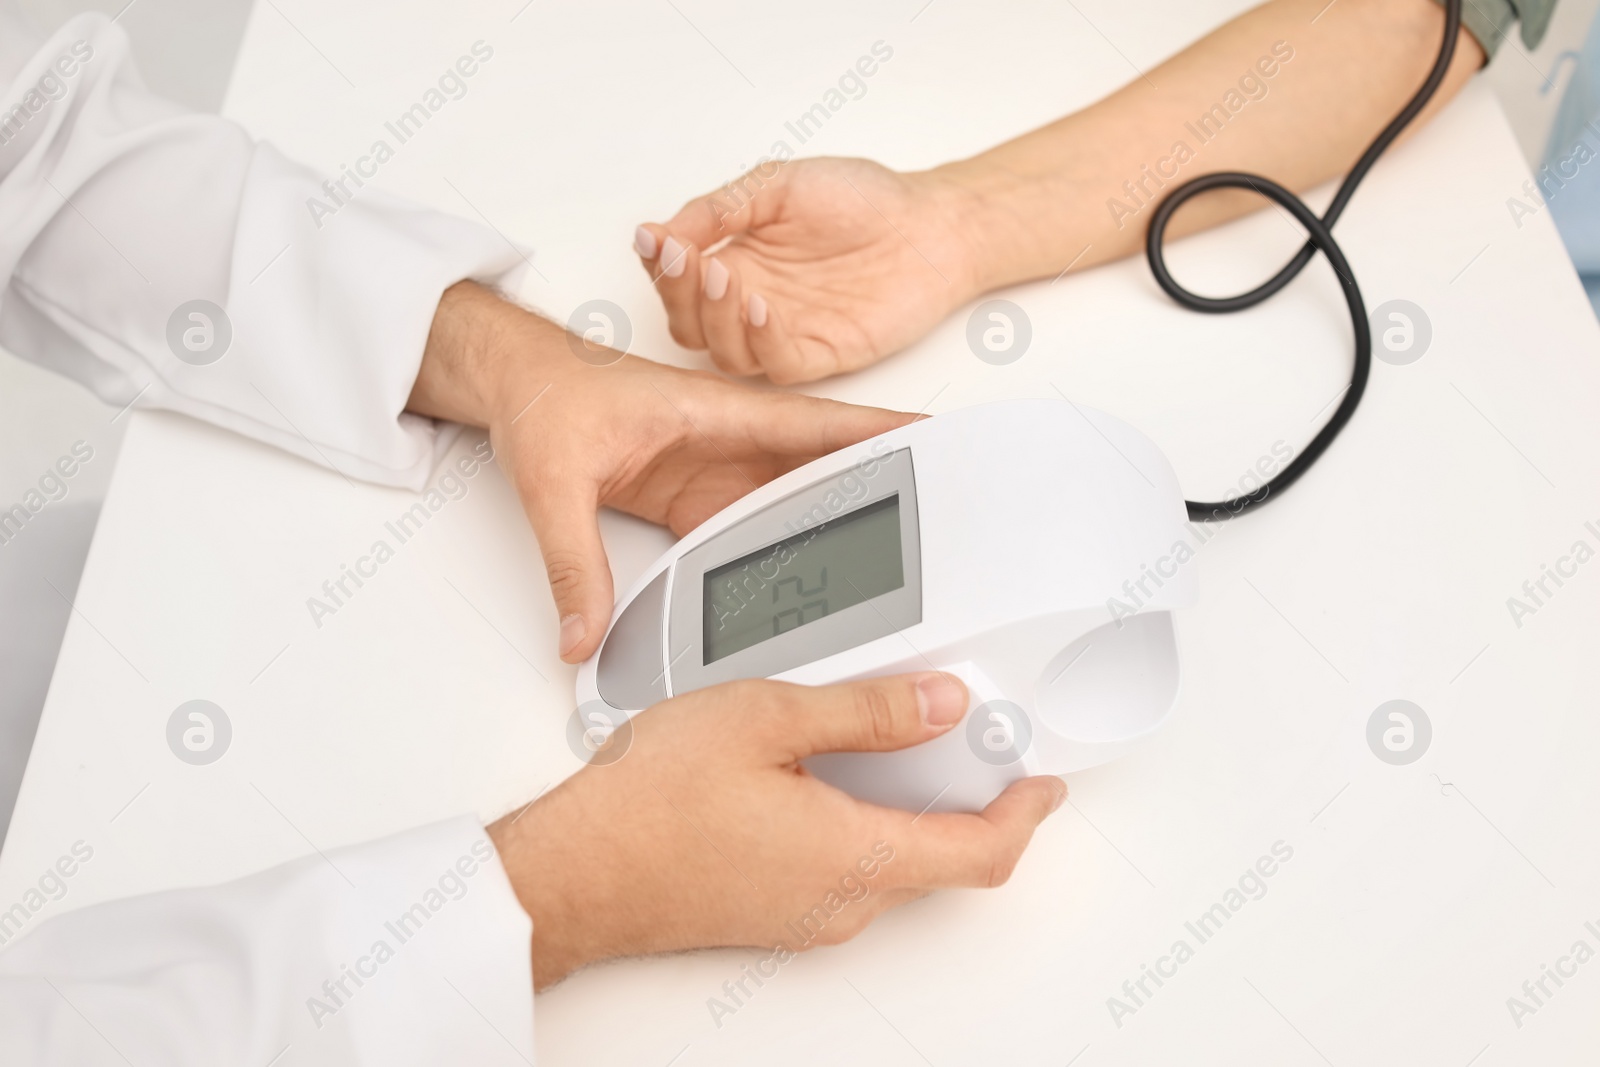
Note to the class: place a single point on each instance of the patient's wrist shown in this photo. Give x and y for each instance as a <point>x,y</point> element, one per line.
<point>1020,220</point>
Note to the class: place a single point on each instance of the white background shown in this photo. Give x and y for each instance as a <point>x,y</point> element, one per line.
<point>1412,908</point>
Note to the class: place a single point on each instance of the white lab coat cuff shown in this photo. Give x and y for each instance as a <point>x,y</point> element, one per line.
<point>125,222</point>
<point>412,949</point>
<point>331,302</point>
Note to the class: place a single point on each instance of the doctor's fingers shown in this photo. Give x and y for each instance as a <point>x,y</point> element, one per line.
<point>564,515</point>
<point>877,715</point>
<point>778,423</point>
<point>948,850</point>
<point>675,270</point>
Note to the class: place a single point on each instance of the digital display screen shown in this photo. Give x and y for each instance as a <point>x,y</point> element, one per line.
<point>825,569</point>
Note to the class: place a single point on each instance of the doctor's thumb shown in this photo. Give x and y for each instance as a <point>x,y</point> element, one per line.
<point>580,577</point>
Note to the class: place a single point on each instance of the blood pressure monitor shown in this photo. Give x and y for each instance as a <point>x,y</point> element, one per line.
<point>1034,548</point>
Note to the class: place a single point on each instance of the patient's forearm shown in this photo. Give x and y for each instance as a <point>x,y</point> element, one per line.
<point>1272,92</point>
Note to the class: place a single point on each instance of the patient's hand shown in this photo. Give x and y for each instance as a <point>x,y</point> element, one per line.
<point>668,445</point>
<point>707,832</point>
<point>832,265</point>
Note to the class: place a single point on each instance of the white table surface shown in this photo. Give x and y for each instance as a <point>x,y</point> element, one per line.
<point>1418,898</point>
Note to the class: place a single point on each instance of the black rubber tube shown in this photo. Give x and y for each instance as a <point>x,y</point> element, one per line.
<point>1320,239</point>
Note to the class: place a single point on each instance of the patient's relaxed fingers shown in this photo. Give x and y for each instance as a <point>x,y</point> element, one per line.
<point>722,319</point>
<point>647,246</point>
<point>705,220</point>
<point>672,263</point>
<point>647,242</point>
<point>944,850</point>
<point>774,348</point>
<point>677,278</point>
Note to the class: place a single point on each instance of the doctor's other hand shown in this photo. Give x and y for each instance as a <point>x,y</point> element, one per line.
<point>708,832</point>
<point>574,434</point>
<point>830,265</point>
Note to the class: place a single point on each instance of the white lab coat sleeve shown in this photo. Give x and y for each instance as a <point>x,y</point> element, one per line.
<point>119,211</point>
<point>411,950</point>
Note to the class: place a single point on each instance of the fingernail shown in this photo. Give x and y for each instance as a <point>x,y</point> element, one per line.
<point>673,257</point>
<point>644,243</point>
<point>716,280</point>
<point>1060,795</point>
<point>572,631</point>
<point>758,310</point>
<point>940,700</point>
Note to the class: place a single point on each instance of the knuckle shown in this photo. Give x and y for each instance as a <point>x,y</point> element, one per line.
<point>792,367</point>
<point>565,570</point>
<point>783,372</point>
<point>727,365</point>
<point>839,931</point>
<point>877,714</point>
<point>682,333</point>
<point>1000,870</point>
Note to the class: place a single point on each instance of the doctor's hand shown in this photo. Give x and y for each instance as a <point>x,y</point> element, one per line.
<point>670,446</point>
<point>830,264</point>
<point>708,832</point>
